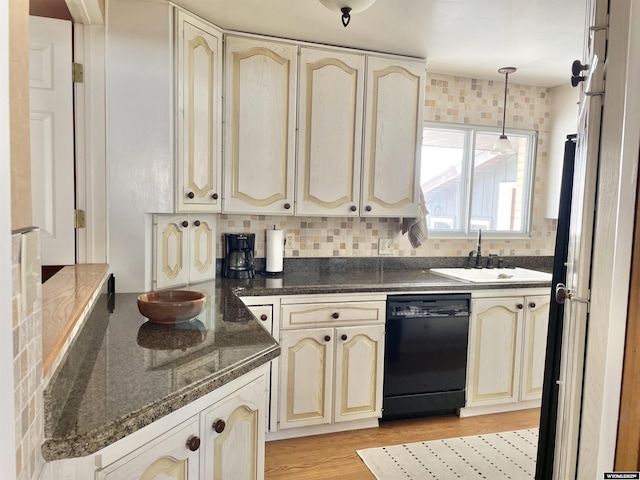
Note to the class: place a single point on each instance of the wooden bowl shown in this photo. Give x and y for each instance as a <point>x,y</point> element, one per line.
<point>171,306</point>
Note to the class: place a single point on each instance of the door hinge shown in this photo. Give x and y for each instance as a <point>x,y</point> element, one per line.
<point>77,73</point>
<point>80,220</point>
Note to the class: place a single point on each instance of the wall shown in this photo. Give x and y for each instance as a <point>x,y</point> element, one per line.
<point>447,99</point>
<point>7,419</point>
<point>27,371</point>
<point>564,121</point>
<point>19,114</point>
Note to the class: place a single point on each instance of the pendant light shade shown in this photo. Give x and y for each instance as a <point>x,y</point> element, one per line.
<point>503,145</point>
<point>347,7</point>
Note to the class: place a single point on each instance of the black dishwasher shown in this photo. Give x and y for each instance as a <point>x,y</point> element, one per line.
<point>425,356</point>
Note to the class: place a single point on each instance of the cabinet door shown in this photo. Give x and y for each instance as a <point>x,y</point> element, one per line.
<point>358,373</point>
<point>171,248</point>
<point>493,367</point>
<point>202,253</point>
<point>534,352</point>
<point>329,133</point>
<point>165,458</point>
<point>233,432</point>
<point>199,119</point>
<point>393,137</point>
<point>260,82</point>
<point>305,378</point>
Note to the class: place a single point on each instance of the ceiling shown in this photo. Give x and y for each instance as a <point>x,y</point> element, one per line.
<point>471,38</point>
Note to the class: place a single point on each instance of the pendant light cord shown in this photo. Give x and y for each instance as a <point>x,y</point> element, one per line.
<point>504,108</point>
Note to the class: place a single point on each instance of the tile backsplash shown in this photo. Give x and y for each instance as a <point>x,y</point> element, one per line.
<point>27,368</point>
<point>448,99</point>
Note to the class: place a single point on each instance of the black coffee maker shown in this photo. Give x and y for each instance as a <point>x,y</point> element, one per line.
<point>238,255</point>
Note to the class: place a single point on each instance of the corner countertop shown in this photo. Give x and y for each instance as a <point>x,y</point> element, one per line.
<point>122,372</point>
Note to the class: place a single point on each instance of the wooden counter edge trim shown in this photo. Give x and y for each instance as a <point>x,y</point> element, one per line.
<point>66,301</point>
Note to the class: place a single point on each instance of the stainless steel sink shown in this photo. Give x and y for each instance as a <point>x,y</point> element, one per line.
<point>496,275</point>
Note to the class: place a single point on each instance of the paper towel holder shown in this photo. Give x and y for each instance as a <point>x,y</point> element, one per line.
<point>274,253</point>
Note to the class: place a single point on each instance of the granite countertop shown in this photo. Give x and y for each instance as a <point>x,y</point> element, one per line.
<point>122,372</point>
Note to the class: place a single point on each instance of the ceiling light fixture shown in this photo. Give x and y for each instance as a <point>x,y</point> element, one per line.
<point>503,145</point>
<point>347,7</point>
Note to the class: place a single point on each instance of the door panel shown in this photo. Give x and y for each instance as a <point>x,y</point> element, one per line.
<point>52,151</point>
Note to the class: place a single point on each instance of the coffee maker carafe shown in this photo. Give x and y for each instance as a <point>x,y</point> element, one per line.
<point>239,260</point>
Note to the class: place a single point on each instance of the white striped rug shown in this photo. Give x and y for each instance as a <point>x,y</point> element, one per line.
<point>495,456</point>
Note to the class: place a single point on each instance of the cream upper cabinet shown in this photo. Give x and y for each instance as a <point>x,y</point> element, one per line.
<point>199,115</point>
<point>260,106</point>
<point>392,137</point>
<point>329,152</point>
<point>184,249</point>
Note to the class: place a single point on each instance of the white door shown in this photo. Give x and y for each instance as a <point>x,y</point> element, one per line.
<point>52,157</point>
<point>580,246</point>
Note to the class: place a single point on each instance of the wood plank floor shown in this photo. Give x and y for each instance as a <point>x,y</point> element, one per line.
<point>333,456</point>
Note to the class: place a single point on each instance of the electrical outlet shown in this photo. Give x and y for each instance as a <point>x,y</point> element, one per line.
<point>385,246</point>
<point>288,241</point>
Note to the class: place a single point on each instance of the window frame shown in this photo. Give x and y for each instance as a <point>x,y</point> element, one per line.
<point>468,159</point>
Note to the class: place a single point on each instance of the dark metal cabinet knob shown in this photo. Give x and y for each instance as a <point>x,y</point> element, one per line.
<point>577,67</point>
<point>532,304</point>
<point>353,208</point>
<point>368,208</point>
<point>327,338</point>
<point>185,224</point>
<point>197,223</point>
<point>344,337</point>
<point>214,196</point>
<point>193,443</point>
<point>520,306</point>
<point>191,194</point>
<point>576,79</point>
<point>263,317</point>
<point>219,425</point>
<point>335,315</point>
<point>287,206</point>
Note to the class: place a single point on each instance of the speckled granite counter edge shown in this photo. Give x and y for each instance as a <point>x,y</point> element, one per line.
<point>91,442</point>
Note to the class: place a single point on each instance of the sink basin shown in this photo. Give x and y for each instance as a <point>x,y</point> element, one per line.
<point>496,275</point>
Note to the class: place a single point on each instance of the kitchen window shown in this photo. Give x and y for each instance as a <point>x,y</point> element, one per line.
<point>468,187</point>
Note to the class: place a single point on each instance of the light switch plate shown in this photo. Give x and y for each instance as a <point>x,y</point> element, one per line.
<point>385,246</point>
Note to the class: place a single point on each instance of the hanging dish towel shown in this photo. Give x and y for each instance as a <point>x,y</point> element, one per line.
<point>416,228</point>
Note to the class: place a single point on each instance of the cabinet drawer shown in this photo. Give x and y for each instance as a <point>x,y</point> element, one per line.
<point>326,314</point>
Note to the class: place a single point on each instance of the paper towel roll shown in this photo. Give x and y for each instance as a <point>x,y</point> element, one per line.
<point>275,250</point>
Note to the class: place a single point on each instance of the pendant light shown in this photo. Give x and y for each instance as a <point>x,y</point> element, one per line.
<point>503,145</point>
<point>347,7</point>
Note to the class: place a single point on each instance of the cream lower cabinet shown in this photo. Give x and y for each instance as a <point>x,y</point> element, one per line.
<point>184,249</point>
<point>267,311</point>
<point>507,345</point>
<point>168,458</point>
<point>219,441</point>
<point>333,373</point>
